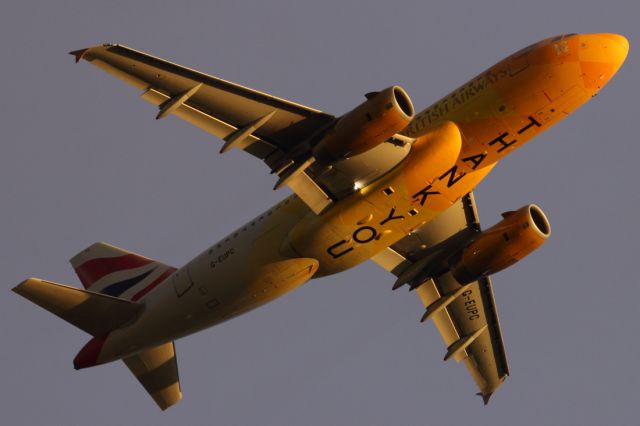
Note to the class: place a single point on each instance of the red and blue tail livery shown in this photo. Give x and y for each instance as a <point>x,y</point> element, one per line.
<point>106,269</point>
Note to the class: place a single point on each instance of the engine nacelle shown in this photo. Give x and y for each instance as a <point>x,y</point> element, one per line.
<point>371,123</point>
<point>502,245</point>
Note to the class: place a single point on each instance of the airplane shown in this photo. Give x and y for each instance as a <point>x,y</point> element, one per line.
<point>379,182</point>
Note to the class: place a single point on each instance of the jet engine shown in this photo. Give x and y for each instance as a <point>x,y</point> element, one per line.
<point>371,123</point>
<point>502,245</point>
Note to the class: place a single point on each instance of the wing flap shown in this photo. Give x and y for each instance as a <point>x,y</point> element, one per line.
<point>428,293</point>
<point>120,74</point>
<point>210,124</point>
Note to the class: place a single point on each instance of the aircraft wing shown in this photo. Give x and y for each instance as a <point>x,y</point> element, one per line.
<point>468,321</point>
<point>275,130</point>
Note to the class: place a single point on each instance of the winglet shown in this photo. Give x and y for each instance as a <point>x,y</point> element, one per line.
<point>78,54</point>
<point>485,397</point>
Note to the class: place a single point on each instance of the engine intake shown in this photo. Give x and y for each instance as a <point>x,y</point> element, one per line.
<point>371,123</point>
<point>502,245</point>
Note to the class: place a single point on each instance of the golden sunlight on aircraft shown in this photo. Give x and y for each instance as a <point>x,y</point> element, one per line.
<point>379,182</point>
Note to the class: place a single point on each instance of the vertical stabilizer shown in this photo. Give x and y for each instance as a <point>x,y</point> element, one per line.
<point>106,269</point>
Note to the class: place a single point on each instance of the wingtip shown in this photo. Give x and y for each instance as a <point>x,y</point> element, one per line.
<point>166,398</point>
<point>485,397</point>
<point>18,289</point>
<point>78,54</point>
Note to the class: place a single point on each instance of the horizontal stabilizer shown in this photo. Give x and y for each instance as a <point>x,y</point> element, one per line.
<point>95,313</point>
<point>157,371</point>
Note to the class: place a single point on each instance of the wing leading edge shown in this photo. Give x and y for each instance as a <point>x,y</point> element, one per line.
<point>465,315</point>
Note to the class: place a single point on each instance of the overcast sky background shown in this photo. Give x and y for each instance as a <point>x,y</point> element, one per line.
<point>83,160</point>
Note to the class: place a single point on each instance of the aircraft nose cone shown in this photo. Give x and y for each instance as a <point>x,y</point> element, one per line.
<point>601,55</point>
<point>616,47</point>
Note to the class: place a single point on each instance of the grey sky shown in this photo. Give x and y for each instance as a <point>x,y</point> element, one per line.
<point>83,160</point>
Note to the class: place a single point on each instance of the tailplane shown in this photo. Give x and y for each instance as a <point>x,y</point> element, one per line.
<point>157,371</point>
<point>115,280</point>
<point>98,314</point>
<point>95,313</point>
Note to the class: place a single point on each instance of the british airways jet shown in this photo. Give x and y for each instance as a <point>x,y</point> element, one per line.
<point>379,183</point>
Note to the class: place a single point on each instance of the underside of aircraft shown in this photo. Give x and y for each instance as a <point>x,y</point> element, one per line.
<point>379,183</point>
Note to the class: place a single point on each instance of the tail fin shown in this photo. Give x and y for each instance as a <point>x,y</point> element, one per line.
<point>157,370</point>
<point>97,314</point>
<point>113,279</point>
<point>103,268</point>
